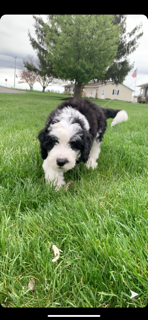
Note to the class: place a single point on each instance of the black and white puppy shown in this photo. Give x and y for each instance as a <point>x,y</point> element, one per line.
<point>73,132</point>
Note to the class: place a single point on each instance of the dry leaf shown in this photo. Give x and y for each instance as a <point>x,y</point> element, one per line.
<point>31,284</point>
<point>68,185</point>
<point>56,253</point>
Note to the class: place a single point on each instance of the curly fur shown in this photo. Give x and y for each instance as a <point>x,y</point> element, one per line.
<point>73,132</point>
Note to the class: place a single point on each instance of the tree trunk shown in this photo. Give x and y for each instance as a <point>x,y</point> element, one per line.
<point>78,89</point>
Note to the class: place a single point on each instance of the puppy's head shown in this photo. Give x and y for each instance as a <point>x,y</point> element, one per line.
<point>65,142</point>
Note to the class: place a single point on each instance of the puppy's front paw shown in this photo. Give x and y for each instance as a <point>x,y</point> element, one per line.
<point>91,163</point>
<point>59,184</point>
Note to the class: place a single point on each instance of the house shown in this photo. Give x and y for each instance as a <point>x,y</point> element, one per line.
<point>143,89</point>
<point>103,91</point>
<point>69,88</point>
<point>108,90</point>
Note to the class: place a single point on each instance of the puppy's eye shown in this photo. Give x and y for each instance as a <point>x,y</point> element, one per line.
<point>50,142</point>
<point>76,144</point>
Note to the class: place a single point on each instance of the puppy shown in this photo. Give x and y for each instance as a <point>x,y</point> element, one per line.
<point>73,132</point>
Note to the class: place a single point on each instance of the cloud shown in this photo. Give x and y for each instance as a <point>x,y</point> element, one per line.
<point>14,39</point>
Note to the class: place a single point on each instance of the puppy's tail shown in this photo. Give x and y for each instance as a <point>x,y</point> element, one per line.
<point>117,115</point>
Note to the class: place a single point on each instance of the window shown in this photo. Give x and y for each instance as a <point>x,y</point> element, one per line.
<point>115,92</point>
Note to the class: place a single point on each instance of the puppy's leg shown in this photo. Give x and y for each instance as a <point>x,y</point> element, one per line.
<point>55,177</point>
<point>94,154</point>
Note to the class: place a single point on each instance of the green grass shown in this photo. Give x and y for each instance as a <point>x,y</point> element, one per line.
<point>100,222</point>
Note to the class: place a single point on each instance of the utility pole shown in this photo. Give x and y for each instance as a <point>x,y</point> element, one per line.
<point>15,71</point>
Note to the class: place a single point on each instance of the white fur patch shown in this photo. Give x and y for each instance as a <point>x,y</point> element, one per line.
<point>68,114</point>
<point>94,154</point>
<point>121,116</point>
<point>53,176</point>
<point>64,130</point>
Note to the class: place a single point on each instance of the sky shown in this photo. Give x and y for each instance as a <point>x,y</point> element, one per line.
<point>14,42</point>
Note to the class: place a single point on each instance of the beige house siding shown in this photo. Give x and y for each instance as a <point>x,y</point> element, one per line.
<point>123,94</point>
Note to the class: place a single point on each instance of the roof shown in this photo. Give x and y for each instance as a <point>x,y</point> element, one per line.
<point>90,84</point>
<point>99,84</point>
<point>143,85</point>
<point>96,85</point>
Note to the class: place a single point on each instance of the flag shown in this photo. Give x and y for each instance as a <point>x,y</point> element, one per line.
<point>134,75</point>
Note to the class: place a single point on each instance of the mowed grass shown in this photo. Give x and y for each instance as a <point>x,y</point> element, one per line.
<point>100,223</point>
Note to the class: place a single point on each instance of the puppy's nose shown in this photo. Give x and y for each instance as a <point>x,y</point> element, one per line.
<point>61,162</point>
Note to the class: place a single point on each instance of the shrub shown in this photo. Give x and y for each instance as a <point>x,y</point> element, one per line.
<point>89,97</point>
<point>142,100</point>
<point>139,98</point>
<point>146,100</point>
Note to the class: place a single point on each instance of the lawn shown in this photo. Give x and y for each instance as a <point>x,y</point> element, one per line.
<point>99,223</point>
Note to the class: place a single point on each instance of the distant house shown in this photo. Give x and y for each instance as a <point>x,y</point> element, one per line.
<point>103,91</point>
<point>69,88</point>
<point>143,89</point>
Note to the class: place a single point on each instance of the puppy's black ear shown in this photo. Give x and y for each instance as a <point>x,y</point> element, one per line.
<point>87,143</point>
<point>42,136</point>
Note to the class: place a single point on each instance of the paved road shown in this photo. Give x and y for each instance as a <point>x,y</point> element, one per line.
<point>7,90</point>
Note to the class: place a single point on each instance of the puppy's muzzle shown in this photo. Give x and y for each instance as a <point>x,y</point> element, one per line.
<point>61,162</point>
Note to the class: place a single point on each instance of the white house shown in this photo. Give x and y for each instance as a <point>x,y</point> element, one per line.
<point>69,88</point>
<point>143,89</point>
<point>102,91</point>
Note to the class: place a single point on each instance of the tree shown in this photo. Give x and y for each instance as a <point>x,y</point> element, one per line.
<point>28,77</point>
<point>127,44</point>
<point>81,47</point>
<point>41,66</point>
<point>33,65</point>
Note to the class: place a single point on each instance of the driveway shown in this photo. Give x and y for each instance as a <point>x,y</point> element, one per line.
<point>7,90</point>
